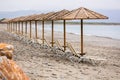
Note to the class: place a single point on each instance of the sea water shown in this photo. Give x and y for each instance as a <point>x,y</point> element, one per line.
<point>110,31</point>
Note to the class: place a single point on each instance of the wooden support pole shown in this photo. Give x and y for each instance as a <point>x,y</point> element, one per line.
<point>64,22</point>
<point>43,32</point>
<point>22,28</point>
<point>11,26</point>
<point>7,27</point>
<point>19,27</point>
<point>26,27</point>
<point>36,31</point>
<point>16,27</point>
<point>30,30</point>
<point>82,53</point>
<point>52,34</point>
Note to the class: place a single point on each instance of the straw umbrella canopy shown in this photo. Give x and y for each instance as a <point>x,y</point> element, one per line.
<point>15,20</point>
<point>57,15</point>
<point>46,18</point>
<point>30,17</point>
<point>21,19</point>
<point>11,24</point>
<point>39,17</point>
<point>43,17</point>
<point>51,16</point>
<point>25,19</point>
<point>34,18</point>
<point>5,20</point>
<point>83,13</point>
<point>12,21</point>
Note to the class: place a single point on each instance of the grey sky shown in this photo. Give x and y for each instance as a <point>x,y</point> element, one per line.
<point>15,5</point>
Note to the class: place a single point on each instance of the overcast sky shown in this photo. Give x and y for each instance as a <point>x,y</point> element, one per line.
<point>15,5</point>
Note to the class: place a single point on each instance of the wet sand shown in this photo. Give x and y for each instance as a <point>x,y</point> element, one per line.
<point>40,64</point>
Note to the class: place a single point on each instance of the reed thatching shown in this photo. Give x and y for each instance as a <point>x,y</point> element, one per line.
<point>30,17</point>
<point>16,19</point>
<point>45,16</point>
<point>83,13</point>
<point>58,15</point>
<point>5,20</point>
<point>39,17</point>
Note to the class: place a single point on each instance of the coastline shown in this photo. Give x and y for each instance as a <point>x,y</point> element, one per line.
<point>91,23</point>
<point>40,64</point>
<point>111,31</point>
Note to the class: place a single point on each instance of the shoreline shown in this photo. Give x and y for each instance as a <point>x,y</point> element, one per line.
<point>88,23</point>
<point>92,35</point>
<point>86,32</point>
<point>42,64</point>
<point>76,34</point>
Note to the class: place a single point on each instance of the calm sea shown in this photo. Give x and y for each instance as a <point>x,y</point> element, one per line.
<point>110,31</point>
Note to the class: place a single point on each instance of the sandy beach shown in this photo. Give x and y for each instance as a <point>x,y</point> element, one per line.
<point>44,64</point>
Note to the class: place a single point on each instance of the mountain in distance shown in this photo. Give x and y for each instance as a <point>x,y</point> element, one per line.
<point>112,14</point>
<point>6,14</point>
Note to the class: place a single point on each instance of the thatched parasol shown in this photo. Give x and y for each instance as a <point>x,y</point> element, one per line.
<point>5,20</point>
<point>43,17</point>
<point>83,13</point>
<point>56,16</point>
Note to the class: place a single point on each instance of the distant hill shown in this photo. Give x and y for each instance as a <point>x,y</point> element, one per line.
<point>17,13</point>
<point>114,15</point>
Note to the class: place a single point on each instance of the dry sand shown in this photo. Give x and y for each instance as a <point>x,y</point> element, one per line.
<point>40,64</point>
